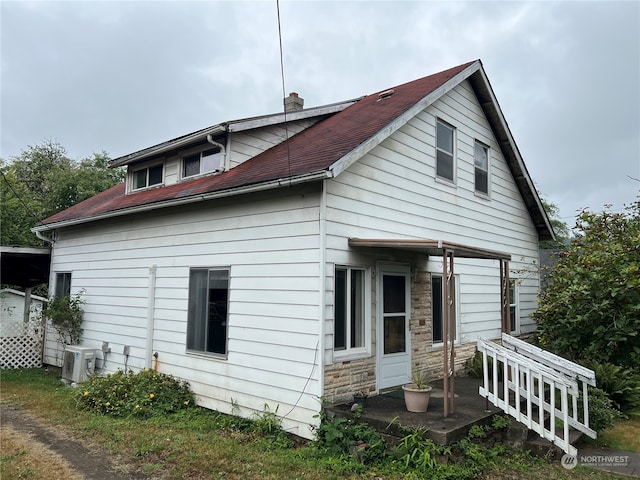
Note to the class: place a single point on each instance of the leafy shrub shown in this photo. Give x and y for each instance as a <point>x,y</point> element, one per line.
<point>143,394</point>
<point>602,411</point>
<point>622,385</point>
<point>65,314</point>
<point>590,308</point>
<point>342,436</point>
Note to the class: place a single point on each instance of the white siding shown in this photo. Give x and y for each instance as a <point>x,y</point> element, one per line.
<point>393,193</point>
<point>271,246</point>
<point>249,143</point>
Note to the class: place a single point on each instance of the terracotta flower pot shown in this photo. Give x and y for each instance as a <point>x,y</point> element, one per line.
<point>416,399</point>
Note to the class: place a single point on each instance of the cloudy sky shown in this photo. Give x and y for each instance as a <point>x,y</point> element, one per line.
<point>120,76</point>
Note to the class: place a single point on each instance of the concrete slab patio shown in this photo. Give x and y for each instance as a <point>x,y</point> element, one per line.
<point>387,412</point>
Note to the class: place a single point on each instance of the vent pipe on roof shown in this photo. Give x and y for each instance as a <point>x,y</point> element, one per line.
<point>293,103</point>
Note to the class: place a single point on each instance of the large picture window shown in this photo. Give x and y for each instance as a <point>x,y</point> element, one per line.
<point>350,309</point>
<point>208,310</point>
<point>445,158</point>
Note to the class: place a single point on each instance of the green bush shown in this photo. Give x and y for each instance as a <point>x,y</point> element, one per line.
<point>144,394</point>
<point>341,436</point>
<point>602,411</point>
<point>590,308</point>
<point>65,314</point>
<point>622,385</point>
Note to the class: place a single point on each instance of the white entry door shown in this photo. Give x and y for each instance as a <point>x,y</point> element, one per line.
<point>394,339</point>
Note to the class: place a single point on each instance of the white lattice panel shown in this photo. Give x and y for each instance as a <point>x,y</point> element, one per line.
<point>21,345</point>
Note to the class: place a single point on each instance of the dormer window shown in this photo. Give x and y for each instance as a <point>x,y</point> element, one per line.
<point>202,162</point>
<point>147,177</point>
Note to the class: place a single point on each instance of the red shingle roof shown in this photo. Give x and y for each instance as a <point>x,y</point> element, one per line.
<point>312,150</point>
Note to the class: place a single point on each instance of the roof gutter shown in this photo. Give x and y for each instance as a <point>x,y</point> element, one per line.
<point>168,145</point>
<point>258,187</point>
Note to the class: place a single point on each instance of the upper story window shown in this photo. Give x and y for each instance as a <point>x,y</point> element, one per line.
<point>481,162</point>
<point>202,162</point>
<point>445,156</point>
<point>147,177</point>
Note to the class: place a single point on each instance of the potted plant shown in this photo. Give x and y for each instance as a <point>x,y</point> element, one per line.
<point>360,398</point>
<point>417,393</point>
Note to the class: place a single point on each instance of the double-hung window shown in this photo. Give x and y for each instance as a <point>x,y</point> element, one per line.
<point>481,164</point>
<point>445,157</point>
<point>207,322</point>
<point>147,177</point>
<point>350,310</point>
<point>201,162</point>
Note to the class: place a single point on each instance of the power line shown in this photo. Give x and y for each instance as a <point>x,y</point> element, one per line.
<point>6,180</point>
<point>286,128</point>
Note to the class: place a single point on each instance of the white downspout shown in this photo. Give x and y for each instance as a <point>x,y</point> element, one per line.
<point>322,300</point>
<point>223,151</point>
<point>151,307</point>
<point>43,238</point>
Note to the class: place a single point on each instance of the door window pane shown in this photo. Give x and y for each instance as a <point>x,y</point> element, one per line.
<point>394,293</point>
<point>394,334</point>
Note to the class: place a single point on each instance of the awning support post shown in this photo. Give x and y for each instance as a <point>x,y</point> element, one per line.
<point>448,330</point>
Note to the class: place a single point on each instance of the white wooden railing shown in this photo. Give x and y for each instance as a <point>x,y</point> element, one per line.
<point>524,380</point>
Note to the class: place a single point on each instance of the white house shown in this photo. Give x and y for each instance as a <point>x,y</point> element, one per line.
<point>283,258</point>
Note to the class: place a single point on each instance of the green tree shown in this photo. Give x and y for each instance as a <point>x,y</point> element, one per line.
<point>42,181</point>
<point>590,308</point>
<point>560,228</point>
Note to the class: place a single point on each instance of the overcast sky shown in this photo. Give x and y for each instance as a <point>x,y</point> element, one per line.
<point>122,76</point>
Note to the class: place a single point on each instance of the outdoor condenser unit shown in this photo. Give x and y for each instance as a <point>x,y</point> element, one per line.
<point>78,363</point>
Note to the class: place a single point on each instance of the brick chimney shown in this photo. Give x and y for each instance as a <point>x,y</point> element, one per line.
<point>293,102</point>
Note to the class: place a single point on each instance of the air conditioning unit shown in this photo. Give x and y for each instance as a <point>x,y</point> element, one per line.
<point>78,363</point>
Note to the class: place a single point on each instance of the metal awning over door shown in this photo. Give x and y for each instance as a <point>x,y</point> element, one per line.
<point>448,251</point>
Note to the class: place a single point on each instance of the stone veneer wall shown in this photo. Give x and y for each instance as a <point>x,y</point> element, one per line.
<point>343,379</point>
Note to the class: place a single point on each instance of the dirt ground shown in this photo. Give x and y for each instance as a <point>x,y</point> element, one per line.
<point>66,457</point>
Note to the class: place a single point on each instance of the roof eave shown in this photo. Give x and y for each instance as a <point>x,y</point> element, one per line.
<point>230,126</point>
<point>361,150</point>
<point>257,187</point>
<point>489,103</point>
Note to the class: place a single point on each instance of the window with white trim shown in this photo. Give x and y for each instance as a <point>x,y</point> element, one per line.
<point>147,177</point>
<point>514,310</point>
<point>351,311</point>
<point>207,318</point>
<point>202,162</point>
<point>481,167</point>
<point>445,153</point>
